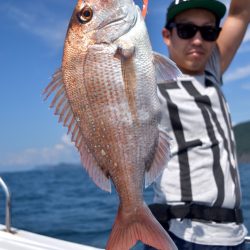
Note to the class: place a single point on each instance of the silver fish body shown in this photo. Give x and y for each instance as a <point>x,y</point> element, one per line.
<point>105,93</point>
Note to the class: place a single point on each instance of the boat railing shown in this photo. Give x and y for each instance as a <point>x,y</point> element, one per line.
<point>247,239</point>
<point>8,205</point>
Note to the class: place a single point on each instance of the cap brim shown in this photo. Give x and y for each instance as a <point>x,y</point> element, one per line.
<point>216,7</point>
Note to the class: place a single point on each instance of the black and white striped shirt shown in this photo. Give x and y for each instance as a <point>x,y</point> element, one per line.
<point>203,166</point>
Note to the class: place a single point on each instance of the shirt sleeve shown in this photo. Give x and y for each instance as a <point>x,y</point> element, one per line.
<point>213,70</point>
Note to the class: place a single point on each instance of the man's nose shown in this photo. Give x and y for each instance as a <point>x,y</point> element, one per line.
<point>197,39</point>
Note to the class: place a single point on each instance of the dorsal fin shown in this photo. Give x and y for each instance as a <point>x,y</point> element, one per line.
<point>63,109</point>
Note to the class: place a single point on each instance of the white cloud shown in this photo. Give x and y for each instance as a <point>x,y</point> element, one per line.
<point>61,152</point>
<point>39,21</point>
<point>237,74</point>
<point>66,140</point>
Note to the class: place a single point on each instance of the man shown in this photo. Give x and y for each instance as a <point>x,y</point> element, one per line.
<point>200,184</point>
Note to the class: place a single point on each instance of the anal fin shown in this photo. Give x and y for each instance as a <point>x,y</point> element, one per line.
<point>161,158</point>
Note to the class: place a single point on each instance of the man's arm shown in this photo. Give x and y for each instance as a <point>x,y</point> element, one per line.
<point>233,31</point>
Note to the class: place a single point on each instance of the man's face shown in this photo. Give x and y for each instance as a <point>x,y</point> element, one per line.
<point>191,54</point>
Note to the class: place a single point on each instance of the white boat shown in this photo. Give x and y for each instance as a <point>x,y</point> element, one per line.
<point>14,239</point>
<point>23,240</point>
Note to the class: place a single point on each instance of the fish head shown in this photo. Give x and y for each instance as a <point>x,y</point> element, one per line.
<point>100,21</point>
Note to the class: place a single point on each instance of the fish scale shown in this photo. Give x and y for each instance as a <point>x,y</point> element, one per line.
<point>105,93</point>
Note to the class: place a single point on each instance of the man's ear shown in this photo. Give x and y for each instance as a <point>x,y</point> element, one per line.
<point>166,35</point>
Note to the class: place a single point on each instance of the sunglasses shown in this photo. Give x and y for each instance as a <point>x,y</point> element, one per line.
<point>188,30</point>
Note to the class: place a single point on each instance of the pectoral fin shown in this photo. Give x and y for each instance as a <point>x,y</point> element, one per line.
<point>166,70</point>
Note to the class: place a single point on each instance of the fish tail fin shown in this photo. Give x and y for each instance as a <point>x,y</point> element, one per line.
<point>138,226</point>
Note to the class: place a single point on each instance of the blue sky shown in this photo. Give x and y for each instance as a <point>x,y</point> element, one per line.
<point>32,36</point>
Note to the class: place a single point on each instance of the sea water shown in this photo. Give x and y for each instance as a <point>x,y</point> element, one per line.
<point>63,202</point>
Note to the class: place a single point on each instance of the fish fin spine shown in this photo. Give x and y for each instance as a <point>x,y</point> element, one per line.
<point>161,158</point>
<point>63,109</point>
<point>94,171</point>
<point>166,70</point>
<point>62,106</point>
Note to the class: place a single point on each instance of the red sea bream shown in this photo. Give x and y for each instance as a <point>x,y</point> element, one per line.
<point>105,93</point>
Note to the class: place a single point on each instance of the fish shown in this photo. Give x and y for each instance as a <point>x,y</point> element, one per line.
<point>105,93</point>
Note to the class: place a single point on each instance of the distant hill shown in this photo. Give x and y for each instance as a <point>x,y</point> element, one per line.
<point>242,137</point>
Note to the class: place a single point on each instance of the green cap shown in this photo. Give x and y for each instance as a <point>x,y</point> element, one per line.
<point>178,6</point>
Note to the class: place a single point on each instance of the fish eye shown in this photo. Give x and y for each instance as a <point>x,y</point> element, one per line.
<point>85,15</point>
